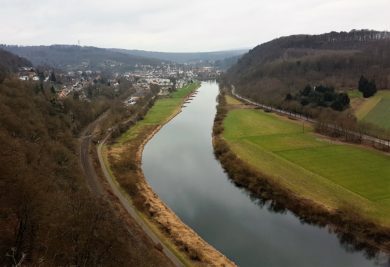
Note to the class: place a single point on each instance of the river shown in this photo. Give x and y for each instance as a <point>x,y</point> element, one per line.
<point>181,168</point>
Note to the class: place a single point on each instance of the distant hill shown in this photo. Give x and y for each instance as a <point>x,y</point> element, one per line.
<point>10,62</point>
<point>287,64</point>
<point>72,57</point>
<point>226,63</point>
<point>195,57</point>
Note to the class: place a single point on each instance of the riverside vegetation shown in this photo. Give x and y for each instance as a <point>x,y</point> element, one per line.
<point>288,165</point>
<point>124,157</point>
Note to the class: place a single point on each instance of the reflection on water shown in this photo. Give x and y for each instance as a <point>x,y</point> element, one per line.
<point>180,166</point>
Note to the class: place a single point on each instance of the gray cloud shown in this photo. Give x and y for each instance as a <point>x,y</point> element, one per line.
<point>179,25</point>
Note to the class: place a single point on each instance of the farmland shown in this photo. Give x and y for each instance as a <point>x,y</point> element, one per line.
<point>332,174</point>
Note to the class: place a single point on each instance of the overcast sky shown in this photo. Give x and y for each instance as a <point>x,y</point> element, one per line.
<point>181,25</point>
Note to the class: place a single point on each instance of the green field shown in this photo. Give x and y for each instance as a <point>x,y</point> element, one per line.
<point>380,114</point>
<point>162,110</point>
<point>374,110</point>
<point>333,174</point>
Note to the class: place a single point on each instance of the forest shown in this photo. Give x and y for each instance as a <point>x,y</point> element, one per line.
<point>286,65</point>
<point>48,217</point>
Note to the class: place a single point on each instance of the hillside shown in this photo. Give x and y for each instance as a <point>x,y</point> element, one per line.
<point>48,217</point>
<point>10,62</point>
<point>287,64</point>
<point>71,57</point>
<point>195,57</point>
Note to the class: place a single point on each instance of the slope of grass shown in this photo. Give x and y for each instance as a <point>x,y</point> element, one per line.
<point>374,110</point>
<point>380,114</point>
<point>232,101</point>
<point>364,106</point>
<point>329,173</point>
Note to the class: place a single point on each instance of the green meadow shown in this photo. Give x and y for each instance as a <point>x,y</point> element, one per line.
<point>161,111</point>
<point>333,174</point>
<point>380,114</point>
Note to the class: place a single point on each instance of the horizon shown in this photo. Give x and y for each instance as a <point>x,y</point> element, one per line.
<point>174,26</point>
<point>184,52</point>
<point>130,49</point>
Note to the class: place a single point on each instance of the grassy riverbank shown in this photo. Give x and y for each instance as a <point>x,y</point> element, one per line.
<point>305,166</point>
<point>162,111</point>
<point>124,156</point>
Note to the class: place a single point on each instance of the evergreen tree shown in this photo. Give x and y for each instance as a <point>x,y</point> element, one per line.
<point>53,77</point>
<point>368,88</point>
<point>362,83</point>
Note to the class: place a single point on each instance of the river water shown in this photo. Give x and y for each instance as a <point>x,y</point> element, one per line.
<point>181,168</point>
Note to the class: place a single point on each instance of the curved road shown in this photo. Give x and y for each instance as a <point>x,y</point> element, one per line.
<point>129,207</point>
<point>94,184</point>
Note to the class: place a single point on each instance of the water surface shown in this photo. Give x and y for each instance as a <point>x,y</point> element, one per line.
<point>181,168</point>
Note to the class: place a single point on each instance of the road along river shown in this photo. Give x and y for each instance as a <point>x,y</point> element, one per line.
<point>180,166</point>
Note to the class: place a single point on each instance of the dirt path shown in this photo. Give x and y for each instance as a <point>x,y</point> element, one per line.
<point>96,187</point>
<point>127,204</point>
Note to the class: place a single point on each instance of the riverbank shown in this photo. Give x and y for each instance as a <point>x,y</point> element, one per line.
<point>125,158</point>
<point>252,164</point>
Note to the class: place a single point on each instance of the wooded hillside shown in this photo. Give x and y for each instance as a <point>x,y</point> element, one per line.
<point>47,215</point>
<point>338,59</point>
<point>10,63</point>
<point>79,57</point>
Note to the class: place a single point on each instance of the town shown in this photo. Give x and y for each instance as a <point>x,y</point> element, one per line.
<point>167,77</point>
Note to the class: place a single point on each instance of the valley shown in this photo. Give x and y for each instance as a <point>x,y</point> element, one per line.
<point>115,153</point>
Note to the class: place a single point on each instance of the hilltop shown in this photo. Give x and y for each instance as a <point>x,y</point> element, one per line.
<point>194,57</point>
<point>10,62</point>
<point>72,57</point>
